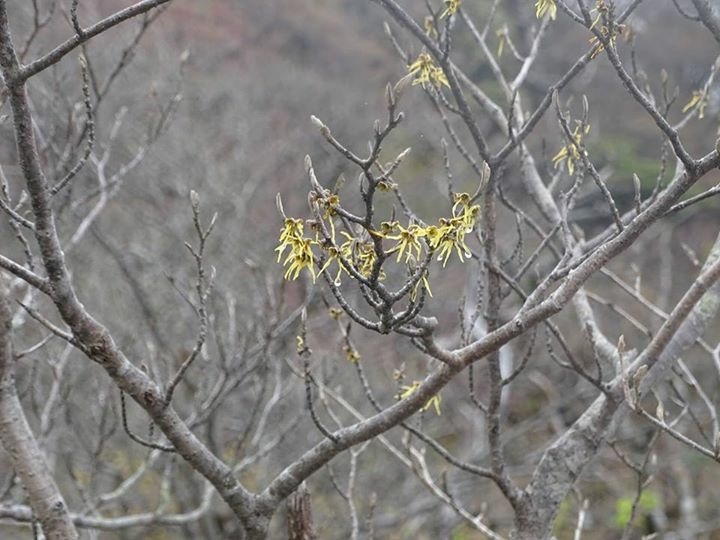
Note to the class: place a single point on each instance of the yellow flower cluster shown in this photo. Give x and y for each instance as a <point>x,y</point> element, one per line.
<point>446,236</point>
<point>570,153</point>
<point>408,240</point>
<point>605,11</point>
<point>426,72</point>
<point>301,254</point>
<point>543,7</point>
<point>409,243</point>
<point>360,254</point>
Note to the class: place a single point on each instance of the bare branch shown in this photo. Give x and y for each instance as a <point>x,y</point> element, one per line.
<point>82,35</point>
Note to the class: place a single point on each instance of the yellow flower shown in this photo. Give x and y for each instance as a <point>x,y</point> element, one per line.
<point>545,6</point>
<point>301,254</point>
<point>605,13</point>
<point>333,256</point>
<point>425,283</point>
<point>361,255</point>
<point>435,402</point>
<point>460,199</point>
<point>366,258</point>
<point>570,153</point>
<point>464,211</point>
<point>291,232</point>
<point>433,233</point>
<point>469,216</point>
<point>408,242</point>
<point>302,347</point>
<point>386,228</point>
<point>432,402</point>
<point>451,7</point>
<point>699,100</point>
<point>351,355</point>
<point>338,254</point>
<point>449,235</point>
<point>385,186</point>
<point>425,71</point>
<point>329,204</point>
<point>299,258</point>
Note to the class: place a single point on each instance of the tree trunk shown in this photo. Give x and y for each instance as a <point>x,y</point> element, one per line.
<point>300,523</point>
<point>20,444</point>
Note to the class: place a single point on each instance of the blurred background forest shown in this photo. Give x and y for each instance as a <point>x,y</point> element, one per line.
<point>254,73</point>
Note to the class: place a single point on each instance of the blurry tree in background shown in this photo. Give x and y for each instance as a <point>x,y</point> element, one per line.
<point>507,329</point>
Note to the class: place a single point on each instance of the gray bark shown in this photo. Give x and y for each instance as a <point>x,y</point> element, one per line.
<point>564,461</point>
<point>19,442</point>
<point>709,16</point>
